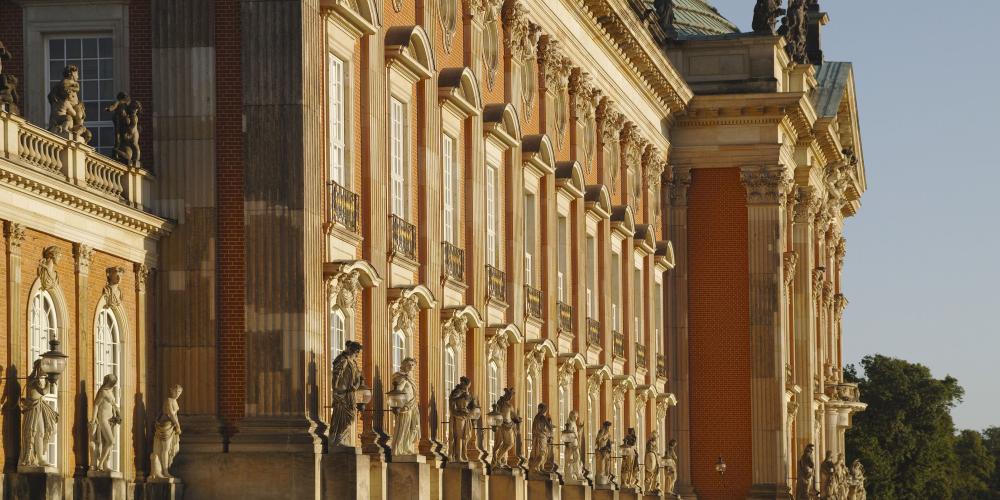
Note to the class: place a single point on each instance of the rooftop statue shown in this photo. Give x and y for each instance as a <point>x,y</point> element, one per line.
<point>793,28</point>
<point>68,112</point>
<point>8,84</point>
<point>765,15</point>
<point>125,116</point>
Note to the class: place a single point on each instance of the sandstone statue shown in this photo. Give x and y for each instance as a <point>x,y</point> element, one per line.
<point>8,85</point>
<point>125,116</point>
<point>38,420</point>
<point>68,113</point>
<point>765,15</point>
<point>541,439</point>
<point>103,437</point>
<point>48,274</point>
<point>807,473</point>
<point>857,482</point>
<point>572,467</point>
<point>630,460</point>
<point>406,431</point>
<point>841,476</point>
<point>651,477</point>
<point>670,468</point>
<point>459,405</point>
<point>345,380</point>
<point>828,477</point>
<point>603,472</point>
<point>505,431</point>
<point>167,437</point>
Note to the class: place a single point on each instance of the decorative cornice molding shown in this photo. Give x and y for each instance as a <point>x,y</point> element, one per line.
<point>765,185</point>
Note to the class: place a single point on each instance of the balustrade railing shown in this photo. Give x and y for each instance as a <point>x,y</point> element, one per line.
<point>565,317</point>
<point>593,332</point>
<point>532,302</point>
<point>342,205</point>
<point>454,262</point>
<point>496,284</point>
<point>640,355</point>
<point>402,237</point>
<point>617,344</point>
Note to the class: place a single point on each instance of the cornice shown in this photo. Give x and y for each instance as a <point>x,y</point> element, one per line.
<point>792,108</point>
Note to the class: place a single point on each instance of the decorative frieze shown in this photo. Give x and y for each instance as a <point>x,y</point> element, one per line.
<point>765,185</point>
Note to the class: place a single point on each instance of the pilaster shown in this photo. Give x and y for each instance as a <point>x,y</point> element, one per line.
<point>804,315</point>
<point>82,255</point>
<point>13,233</point>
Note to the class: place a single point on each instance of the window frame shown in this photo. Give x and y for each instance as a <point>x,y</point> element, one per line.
<point>345,119</point>
<point>449,174</point>
<point>116,341</point>
<point>399,158</point>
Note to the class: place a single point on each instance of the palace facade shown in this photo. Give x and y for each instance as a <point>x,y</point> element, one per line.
<point>627,210</point>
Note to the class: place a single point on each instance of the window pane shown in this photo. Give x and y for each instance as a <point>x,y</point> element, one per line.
<point>57,49</point>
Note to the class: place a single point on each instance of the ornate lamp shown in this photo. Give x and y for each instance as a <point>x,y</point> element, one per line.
<point>53,362</point>
<point>362,395</point>
<point>494,418</point>
<point>397,398</point>
<point>720,466</point>
<point>475,411</point>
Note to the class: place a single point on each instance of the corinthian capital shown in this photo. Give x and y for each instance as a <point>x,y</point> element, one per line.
<point>554,63</point>
<point>522,34</point>
<point>807,203</point>
<point>611,121</point>
<point>632,144</point>
<point>680,181</point>
<point>583,92</point>
<point>765,185</point>
<point>790,262</point>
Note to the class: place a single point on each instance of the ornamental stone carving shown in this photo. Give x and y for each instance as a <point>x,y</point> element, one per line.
<point>841,252</point>
<point>111,293</point>
<point>460,406</point>
<point>631,144</point>
<point>611,121</point>
<point>68,114</point>
<point>496,348</point>
<point>141,276</point>
<point>828,293</point>
<point>789,262</point>
<point>807,470</point>
<point>13,233</point>
<point>8,85</point>
<point>765,16</point>
<point>565,375</point>
<point>807,204</point>
<point>680,181</point>
<point>505,430</point>
<point>618,394</point>
<point>584,96</point>
<point>533,360</point>
<point>839,304</point>
<point>345,380</point>
<point>794,30</point>
<point>403,314</point>
<point>125,116</point>
<point>556,68</point>
<point>818,278</point>
<point>653,167</point>
<point>490,14</point>
<point>84,255</point>
<point>767,185</point>
<point>406,430</point>
<point>522,44</point>
<point>448,17</point>
<point>342,290</point>
<point>102,435</point>
<point>594,383</point>
<point>48,273</point>
<point>453,331</point>
<point>397,5</point>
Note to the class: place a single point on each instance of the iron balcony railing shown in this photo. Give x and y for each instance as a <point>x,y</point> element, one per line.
<point>342,205</point>
<point>496,284</point>
<point>565,317</point>
<point>618,344</point>
<point>454,262</point>
<point>661,366</point>
<point>640,355</point>
<point>593,332</point>
<point>532,302</point>
<point>403,237</point>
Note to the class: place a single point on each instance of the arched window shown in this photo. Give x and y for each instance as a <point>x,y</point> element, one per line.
<point>338,333</point>
<point>619,425</point>
<point>107,359</point>
<point>493,388</point>
<point>42,327</point>
<point>560,419</point>
<point>398,349</point>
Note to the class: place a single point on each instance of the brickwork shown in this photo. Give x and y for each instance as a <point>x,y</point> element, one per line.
<point>140,58</point>
<point>12,36</point>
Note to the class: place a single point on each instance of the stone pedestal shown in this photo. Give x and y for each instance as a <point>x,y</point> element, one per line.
<point>629,494</point>
<point>576,490</point>
<point>463,481</point>
<point>506,485</point>
<point>649,496</point>
<point>436,473</point>
<point>345,474</point>
<point>36,483</point>
<point>409,478</point>
<point>163,489</point>
<point>104,485</point>
<point>543,487</point>
<point>605,492</point>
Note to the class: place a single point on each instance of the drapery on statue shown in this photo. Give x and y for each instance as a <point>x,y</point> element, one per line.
<point>68,112</point>
<point>125,116</point>
<point>630,460</point>
<point>406,431</point>
<point>765,15</point>
<point>572,453</point>
<point>602,451</point>
<point>670,468</point>
<point>806,471</point>
<point>793,28</point>
<point>841,476</point>
<point>505,432</point>
<point>651,478</point>
<point>345,379</point>
<point>38,420</point>
<point>828,477</point>
<point>541,438</point>
<point>8,84</point>
<point>48,268</point>
<point>857,482</point>
<point>102,428</point>
<point>459,403</point>
<point>167,438</point>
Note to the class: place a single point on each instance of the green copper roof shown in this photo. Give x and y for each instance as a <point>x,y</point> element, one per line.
<point>698,18</point>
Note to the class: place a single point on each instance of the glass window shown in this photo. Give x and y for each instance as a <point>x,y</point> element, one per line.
<point>591,276</point>
<point>532,408</point>
<point>450,377</point>
<point>107,360</point>
<point>337,125</point>
<point>42,326</point>
<point>637,300</point>
<point>448,181</point>
<point>397,157</point>
<point>562,258</point>
<point>529,239</point>
<point>615,289</point>
<point>94,57</point>
<point>491,215</point>
<point>338,333</point>
<point>398,349</point>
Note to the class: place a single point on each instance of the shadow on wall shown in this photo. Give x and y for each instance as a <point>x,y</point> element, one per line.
<point>9,406</point>
<point>81,427</point>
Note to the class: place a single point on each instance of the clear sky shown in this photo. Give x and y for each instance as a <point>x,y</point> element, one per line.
<point>923,254</point>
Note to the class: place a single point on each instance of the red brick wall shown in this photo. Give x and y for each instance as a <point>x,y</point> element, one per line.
<point>231,270</point>
<point>719,326</point>
<point>140,58</point>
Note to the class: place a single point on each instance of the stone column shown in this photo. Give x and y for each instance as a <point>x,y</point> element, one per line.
<point>13,233</point>
<point>803,314</point>
<point>677,329</point>
<point>143,335</point>
<point>766,196</point>
<point>82,255</point>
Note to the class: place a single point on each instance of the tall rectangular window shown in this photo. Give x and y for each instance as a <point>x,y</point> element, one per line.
<point>397,159</point>
<point>591,276</point>
<point>337,126</point>
<point>637,303</point>
<point>616,270</point>
<point>529,238</point>
<point>561,258</point>
<point>94,57</point>
<point>491,215</point>
<point>658,327</point>
<point>448,181</point>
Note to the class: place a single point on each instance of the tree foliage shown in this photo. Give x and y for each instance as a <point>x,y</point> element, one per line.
<point>976,466</point>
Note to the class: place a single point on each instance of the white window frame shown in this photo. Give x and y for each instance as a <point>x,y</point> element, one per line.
<point>529,238</point>
<point>615,289</point>
<point>338,326</point>
<point>107,360</point>
<point>398,157</point>
<point>448,185</point>
<point>338,84</point>
<point>492,217</point>
<point>43,325</point>
<point>93,123</point>
<point>562,259</point>
<point>400,348</point>
<point>591,275</point>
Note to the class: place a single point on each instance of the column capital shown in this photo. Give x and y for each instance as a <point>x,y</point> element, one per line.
<point>679,183</point>
<point>13,232</point>
<point>790,262</point>
<point>807,203</point>
<point>83,255</point>
<point>765,185</point>
<point>142,273</point>
<point>841,252</point>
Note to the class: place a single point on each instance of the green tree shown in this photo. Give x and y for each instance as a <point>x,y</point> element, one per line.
<point>976,466</point>
<point>906,437</point>
<point>991,441</point>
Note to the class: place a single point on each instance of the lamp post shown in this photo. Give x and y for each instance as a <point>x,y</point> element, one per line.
<point>362,395</point>
<point>720,467</point>
<point>53,362</point>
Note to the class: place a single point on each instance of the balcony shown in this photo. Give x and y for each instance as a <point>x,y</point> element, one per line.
<point>565,317</point>
<point>593,332</point>
<point>454,262</point>
<point>402,238</point>
<point>496,284</point>
<point>617,344</point>
<point>661,366</point>
<point>342,206</point>
<point>532,302</point>
<point>640,355</point>
<point>844,392</point>
<point>71,161</point>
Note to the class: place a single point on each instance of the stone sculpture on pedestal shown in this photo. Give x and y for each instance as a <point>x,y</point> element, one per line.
<point>67,110</point>
<point>651,479</point>
<point>807,470</point>
<point>828,477</point>
<point>841,475</point>
<point>505,432</point>
<point>459,403</point>
<point>630,460</point>
<point>8,84</point>
<point>167,438</point>
<point>602,451</point>
<point>670,468</point>
<point>345,381</point>
<point>39,420</point>
<point>857,482</point>
<point>571,433</point>
<point>102,428</point>
<point>406,431</point>
<point>541,438</point>
<point>125,116</point>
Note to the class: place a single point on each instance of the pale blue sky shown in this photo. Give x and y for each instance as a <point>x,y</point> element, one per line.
<point>923,262</point>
